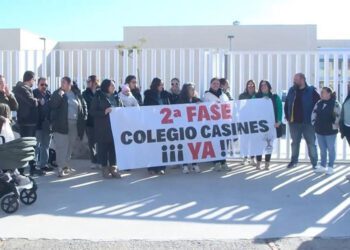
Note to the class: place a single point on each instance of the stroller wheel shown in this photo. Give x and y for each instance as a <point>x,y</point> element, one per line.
<point>28,196</point>
<point>10,204</point>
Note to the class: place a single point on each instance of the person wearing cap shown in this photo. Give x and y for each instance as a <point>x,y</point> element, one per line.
<point>68,118</point>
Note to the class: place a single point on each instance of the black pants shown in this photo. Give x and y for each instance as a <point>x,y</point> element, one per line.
<point>90,133</point>
<point>106,154</point>
<point>27,131</point>
<point>267,158</point>
<point>222,162</point>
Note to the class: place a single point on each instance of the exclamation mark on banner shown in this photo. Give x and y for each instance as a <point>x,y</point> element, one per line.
<point>223,148</point>
<point>229,147</point>
<point>164,154</point>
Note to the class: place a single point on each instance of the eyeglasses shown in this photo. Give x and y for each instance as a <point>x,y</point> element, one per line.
<point>43,85</point>
<point>173,84</point>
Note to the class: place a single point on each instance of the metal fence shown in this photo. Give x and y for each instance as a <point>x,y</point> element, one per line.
<point>322,68</point>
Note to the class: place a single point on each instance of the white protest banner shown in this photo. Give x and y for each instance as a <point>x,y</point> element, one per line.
<point>187,133</point>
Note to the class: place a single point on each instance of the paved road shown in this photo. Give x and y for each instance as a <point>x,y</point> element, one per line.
<point>241,204</point>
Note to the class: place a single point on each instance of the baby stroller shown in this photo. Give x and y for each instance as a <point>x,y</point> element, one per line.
<point>14,187</point>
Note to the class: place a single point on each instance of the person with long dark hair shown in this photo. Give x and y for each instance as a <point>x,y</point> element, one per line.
<point>134,88</point>
<point>249,93</point>
<point>104,100</point>
<point>215,94</point>
<point>156,95</point>
<point>325,119</point>
<point>224,85</point>
<point>188,95</point>
<point>68,117</point>
<point>265,91</point>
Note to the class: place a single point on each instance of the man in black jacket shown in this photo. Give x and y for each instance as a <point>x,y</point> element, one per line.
<point>43,131</point>
<point>27,114</point>
<point>88,95</point>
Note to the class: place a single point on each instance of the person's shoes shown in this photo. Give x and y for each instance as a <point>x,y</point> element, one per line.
<point>245,162</point>
<point>258,165</point>
<point>62,173</point>
<point>46,168</point>
<point>348,177</point>
<point>185,170</point>
<point>291,165</point>
<point>161,172</point>
<point>114,172</point>
<point>36,172</point>
<point>69,169</point>
<point>225,167</point>
<point>319,169</point>
<point>253,162</point>
<point>217,166</point>
<point>196,168</point>
<point>267,165</point>
<point>329,171</point>
<point>105,172</point>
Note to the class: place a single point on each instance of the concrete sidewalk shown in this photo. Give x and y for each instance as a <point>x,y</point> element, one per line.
<point>241,204</point>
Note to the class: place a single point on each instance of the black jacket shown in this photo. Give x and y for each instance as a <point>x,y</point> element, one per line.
<point>44,110</point>
<point>27,113</point>
<point>9,100</point>
<point>245,95</point>
<point>174,98</point>
<point>88,95</point>
<point>59,113</point>
<point>183,101</point>
<point>151,98</point>
<point>103,130</point>
<point>136,93</point>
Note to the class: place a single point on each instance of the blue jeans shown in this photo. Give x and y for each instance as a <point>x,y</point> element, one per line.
<point>43,138</point>
<point>297,131</point>
<point>327,143</point>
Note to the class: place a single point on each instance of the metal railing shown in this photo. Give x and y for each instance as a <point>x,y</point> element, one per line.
<point>322,68</point>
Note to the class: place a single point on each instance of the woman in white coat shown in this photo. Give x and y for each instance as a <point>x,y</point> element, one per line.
<point>215,94</point>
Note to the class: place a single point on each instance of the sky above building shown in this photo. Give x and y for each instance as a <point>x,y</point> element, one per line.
<point>103,20</point>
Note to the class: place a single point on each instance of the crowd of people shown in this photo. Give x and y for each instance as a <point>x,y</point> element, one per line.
<point>68,114</point>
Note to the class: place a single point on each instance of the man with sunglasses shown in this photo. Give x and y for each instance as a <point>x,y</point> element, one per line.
<point>43,131</point>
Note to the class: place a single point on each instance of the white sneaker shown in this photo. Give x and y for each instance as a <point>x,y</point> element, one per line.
<point>217,166</point>
<point>225,167</point>
<point>185,170</point>
<point>330,171</point>
<point>62,172</point>
<point>320,169</point>
<point>253,162</point>
<point>196,168</point>
<point>245,162</point>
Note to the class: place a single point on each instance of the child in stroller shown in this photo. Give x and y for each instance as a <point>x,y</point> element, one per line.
<point>15,154</point>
